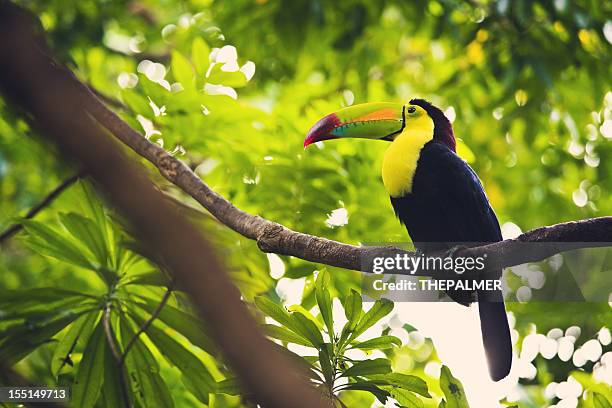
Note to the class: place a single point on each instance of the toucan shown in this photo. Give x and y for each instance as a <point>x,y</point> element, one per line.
<point>434,193</point>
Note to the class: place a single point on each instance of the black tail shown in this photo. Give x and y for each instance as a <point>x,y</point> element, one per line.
<point>495,333</point>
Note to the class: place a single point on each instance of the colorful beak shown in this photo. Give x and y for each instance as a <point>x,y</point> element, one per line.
<point>380,120</point>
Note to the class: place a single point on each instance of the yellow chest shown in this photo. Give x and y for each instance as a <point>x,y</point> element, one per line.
<point>400,159</point>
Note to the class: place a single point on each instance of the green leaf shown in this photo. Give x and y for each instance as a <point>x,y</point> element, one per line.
<point>152,278</point>
<point>186,324</point>
<point>406,398</point>
<point>182,70</point>
<point>380,309</point>
<point>378,343</point>
<point>53,243</point>
<point>85,230</point>
<point>195,375</point>
<point>301,309</point>
<point>352,309</point>
<point>39,303</point>
<point>111,388</point>
<point>89,378</point>
<point>26,337</point>
<point>275,311</point>
<point>81,327</point>
<point>298,271</point>
<point>35,296</point>
<point>452,389</point>
<point>229,386</point>
<point>442,403</point>
<point>92,206</point>
<point>305,327</point>
<point>368,367</point>
<point>282,334</point>
<point>324,301</point>
<point>380,394</point>
<point>326,365</point>
<point>200,55</point>
<point>600,401</point>
<point>235,79</point>
<point>404,381</point>
<point>143,372</point>
<point>409,328</point>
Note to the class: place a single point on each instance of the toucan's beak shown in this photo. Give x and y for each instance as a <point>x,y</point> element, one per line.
<point>369,121</point>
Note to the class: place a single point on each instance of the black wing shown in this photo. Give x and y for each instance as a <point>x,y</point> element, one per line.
<point>448,206</point>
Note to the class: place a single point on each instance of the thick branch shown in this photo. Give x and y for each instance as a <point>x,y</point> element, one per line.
<point>273,237</point>
<point>56,99</point>
<point>30,79</point>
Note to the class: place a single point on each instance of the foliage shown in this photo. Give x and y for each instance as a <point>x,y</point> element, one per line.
<point>526,84</point>
<point>331,369</point>
<point>90,324</point>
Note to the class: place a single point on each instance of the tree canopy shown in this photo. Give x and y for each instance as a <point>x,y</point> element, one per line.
<point>230,89</point>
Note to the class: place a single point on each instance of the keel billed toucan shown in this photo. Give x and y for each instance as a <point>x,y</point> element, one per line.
<point>434,193</point>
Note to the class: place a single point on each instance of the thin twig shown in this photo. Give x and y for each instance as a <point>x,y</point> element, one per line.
<point>15,228</point>
<point>143,328</point>
<point>110,339</point>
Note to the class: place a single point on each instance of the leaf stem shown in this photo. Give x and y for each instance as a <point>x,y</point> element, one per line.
<point>110,339</point>
<point>147,323</point>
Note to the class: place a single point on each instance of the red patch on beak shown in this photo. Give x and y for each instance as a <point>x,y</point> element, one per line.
<point>322,130</point>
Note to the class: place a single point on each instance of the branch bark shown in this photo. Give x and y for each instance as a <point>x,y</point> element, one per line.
<point>67,109</point>
<point>32,80</point>
<point>274,237</point>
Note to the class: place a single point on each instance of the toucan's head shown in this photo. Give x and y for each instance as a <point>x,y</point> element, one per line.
<point>384,121</point>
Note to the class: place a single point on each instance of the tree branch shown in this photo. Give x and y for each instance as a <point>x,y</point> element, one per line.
<point>273,237</point>
<point>45,202</point>
<point>34,82</point>
<point>15,228</point>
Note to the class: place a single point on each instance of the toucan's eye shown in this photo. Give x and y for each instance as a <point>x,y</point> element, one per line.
<point>411,109</point>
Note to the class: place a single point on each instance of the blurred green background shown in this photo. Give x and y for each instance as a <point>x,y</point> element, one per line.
<point>232,87</point>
